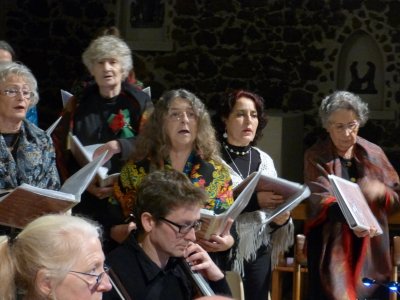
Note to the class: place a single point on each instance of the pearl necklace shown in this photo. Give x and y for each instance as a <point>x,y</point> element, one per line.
<point>236,152</point>
<point>237,169</point>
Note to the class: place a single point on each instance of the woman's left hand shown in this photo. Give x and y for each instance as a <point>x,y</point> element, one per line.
<point>268,200</point>
<point>221,242</point>
<point>112,147</point>
<point>372,189</point>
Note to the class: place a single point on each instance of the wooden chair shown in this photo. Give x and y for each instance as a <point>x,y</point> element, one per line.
<point>235,284</point>
<point>396,263</point>
<point>298,267</point>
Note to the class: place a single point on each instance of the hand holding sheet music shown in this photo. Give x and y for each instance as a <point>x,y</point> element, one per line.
<point>293,193</point>
<point>354,206</point>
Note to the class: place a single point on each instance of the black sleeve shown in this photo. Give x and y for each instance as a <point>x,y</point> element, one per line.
<point>221,287</point>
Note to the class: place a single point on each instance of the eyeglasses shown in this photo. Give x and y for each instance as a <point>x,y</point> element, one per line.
<point>177,115</point>
<point>99,277</point>
<point>184,229</point>
<point>12,93</point>
<point>340,127</point>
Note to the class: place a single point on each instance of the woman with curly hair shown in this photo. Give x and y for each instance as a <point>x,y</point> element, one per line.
<point>178,135</point>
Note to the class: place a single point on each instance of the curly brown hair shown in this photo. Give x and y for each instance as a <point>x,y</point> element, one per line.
<point>154,141</point>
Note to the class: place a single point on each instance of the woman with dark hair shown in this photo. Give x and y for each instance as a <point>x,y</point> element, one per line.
<point>239,121</point>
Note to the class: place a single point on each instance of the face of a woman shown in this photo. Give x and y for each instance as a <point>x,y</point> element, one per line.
<point>14,108</point>
<point>181,124</point>
<point>343,128</point>
<point>107,72</point>
<point>77,286</point>
<point>242,122</point>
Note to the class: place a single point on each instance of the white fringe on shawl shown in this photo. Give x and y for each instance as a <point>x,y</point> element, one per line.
<point>253,232</point>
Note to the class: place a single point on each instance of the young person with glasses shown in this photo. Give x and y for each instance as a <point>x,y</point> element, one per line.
<point>152,262</point>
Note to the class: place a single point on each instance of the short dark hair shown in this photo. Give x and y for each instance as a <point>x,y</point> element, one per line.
<point>162,191</point>
<point>226,105</point>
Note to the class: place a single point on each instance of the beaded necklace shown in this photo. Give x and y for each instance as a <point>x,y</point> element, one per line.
<point>237,152</point>
<point>237,169</point>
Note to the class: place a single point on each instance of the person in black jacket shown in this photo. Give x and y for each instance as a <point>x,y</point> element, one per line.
<point>111,112</point>
<point>153,263</point>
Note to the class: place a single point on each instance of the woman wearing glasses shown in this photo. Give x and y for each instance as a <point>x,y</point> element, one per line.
<point>54,257</point>
<point>26,152</point>
<point>339,257</point>
<point>178,135</point>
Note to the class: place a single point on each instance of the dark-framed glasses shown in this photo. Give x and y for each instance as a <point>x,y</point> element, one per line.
<point>341,127</point>
<point>184,229</point>
<point>99,277</point>
<point>12,93</point>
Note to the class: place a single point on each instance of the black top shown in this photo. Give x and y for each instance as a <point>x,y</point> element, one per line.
<point>144,280</point>
<point>238,158</point>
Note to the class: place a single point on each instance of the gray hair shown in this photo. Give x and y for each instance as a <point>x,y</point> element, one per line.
<point>109,46</point>
<point>343,100</point>
<point>8,69</point>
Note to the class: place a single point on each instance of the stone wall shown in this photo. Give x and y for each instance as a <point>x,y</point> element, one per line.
<point>285,50</point>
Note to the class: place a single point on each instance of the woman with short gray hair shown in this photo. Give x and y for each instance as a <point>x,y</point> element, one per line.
<point>338,255</point>
<point>110,111</point>
<point>26,152</point>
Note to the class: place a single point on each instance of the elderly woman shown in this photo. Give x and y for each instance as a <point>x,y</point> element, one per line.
<point>7,54</point>
<point>110,112</point>
<point>339,257</point>
<point>178,135</point>
<point>26,153</point>
<point>239,121</point>
<point>54,257</point>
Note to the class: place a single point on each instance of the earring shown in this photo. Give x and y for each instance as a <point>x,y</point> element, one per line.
<point>225,135</point>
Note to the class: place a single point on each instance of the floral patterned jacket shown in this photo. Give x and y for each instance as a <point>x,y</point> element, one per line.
<point>34,162</point>
<point>210,175</point>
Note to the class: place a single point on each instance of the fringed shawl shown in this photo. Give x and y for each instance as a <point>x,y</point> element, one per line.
<point>251,228</point>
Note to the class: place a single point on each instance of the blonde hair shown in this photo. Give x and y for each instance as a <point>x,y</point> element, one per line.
<point>51,242</point>
<point>108,46</point>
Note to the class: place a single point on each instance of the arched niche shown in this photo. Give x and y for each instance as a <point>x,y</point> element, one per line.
<point>361,71</point>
